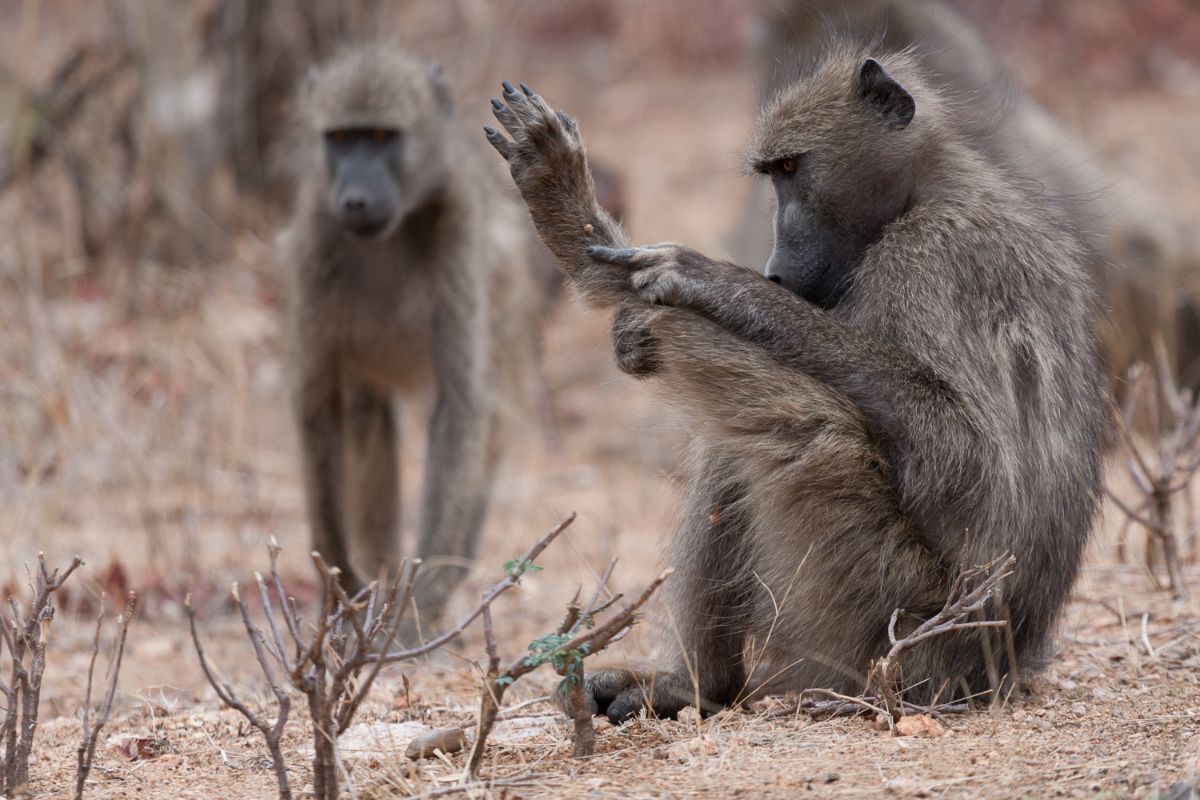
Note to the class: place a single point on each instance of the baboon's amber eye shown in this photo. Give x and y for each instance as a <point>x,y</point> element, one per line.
<point>339,136</point>
<point>788,165</point>
<point>380,135</point>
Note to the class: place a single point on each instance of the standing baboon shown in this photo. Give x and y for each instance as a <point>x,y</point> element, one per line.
<point>916,376</point>
<point>407,272</point>
<point>1137,260</point>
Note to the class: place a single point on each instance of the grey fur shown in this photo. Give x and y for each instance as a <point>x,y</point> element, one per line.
<point>1130,252</point>
<point>842,458</point>
<point>444,305</point>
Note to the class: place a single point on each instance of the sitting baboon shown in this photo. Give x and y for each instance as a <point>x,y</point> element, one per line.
<point>1135,257</point>
<point>408,275</point>
<point>915,377</point>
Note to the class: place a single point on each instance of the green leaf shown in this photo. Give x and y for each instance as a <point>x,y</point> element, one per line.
<point>514,568</point>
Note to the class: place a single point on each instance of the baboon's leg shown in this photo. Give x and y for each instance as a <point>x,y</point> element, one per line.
<point>708,600</point>
<point>814,510</point>
<point>319,416</point>
<point>372,478</point>
<point>457,484</point>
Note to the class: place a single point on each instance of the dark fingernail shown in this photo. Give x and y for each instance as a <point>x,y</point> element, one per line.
<point>496,104</point>
<point>489,130</point>
<point>592,250</point>
<point>528,92</point>
<point>508,89</point>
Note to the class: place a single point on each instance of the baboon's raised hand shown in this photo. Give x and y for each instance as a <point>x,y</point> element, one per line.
<point>548,162</point>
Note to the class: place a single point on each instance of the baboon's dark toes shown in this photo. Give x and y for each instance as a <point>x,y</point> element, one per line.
<point>525,88</point>
<point>508,87</point>
<point>625,706</point>
<point>606,690</point>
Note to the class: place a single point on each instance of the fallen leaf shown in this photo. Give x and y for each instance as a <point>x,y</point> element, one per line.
<point>919,725</point>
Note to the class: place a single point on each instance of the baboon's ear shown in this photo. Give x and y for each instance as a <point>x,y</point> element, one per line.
<point>441,89</point>
<point>885,95</point>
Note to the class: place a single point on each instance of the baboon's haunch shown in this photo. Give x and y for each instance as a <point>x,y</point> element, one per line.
<point>916,377</point>
<point>407,274</point>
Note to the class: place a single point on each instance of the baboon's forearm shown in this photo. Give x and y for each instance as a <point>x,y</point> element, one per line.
<point>901,397</point>
<point>569,221</point>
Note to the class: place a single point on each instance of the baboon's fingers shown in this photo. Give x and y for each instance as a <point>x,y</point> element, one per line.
<point>527,115</point>
<point>568,123</point>
<point>634,257</point>
<point>524,106</point>
<point>507,118</point>
<point>502,145</point>
<point>539,103</point>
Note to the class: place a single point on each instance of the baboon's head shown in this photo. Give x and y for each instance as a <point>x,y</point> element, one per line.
<point>843,147</point>
<point>382,118</point>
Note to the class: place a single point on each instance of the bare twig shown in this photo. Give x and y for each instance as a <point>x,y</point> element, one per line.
<point>577,638</point>
<point>1164,469</point>
<point>91,732</point>
<point>272,733</point>
<point>969,594</point>
<point>516,570</point>
<point>334,659</point>
<point>26,634</point>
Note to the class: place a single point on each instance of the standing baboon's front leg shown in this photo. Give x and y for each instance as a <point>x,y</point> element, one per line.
<point>548,162</point>
<point>458,466</point>
<point>372,476</point>
<point>319,417</point>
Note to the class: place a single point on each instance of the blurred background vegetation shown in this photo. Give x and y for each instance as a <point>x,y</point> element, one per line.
<point>144,172</point>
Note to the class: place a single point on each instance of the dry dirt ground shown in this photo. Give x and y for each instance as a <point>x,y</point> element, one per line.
<point>158,446</point>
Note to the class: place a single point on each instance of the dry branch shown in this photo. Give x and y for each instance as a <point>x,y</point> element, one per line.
<point>25,635</point>
<point>334,659</point>
<point>576,638</point>
<point>968,595</point>
<point>1163,469</point>
<point>91,732</point>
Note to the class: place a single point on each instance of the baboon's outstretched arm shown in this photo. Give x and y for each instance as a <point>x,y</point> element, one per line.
<point>893,389</point>
<point>548,162</point>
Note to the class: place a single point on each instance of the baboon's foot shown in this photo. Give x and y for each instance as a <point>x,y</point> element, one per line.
<point>620,694</point>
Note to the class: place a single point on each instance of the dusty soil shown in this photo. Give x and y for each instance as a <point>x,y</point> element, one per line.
<point>157,445</point>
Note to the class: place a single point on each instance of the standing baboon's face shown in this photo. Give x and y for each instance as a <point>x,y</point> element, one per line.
<point>846,180</point>
<point>366,172</point>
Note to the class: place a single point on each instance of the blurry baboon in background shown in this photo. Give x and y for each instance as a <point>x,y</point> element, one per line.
<point>408,273</point>
<point>1132,258</point>
<point>915,382</point>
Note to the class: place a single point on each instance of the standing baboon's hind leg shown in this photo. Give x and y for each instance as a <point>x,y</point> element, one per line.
<point>320,415</point>
<point>372,482</point>
<point>458,477</point>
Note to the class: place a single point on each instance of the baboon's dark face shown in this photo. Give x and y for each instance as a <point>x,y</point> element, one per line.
<point>366,174</point>
<point>846,181</point>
